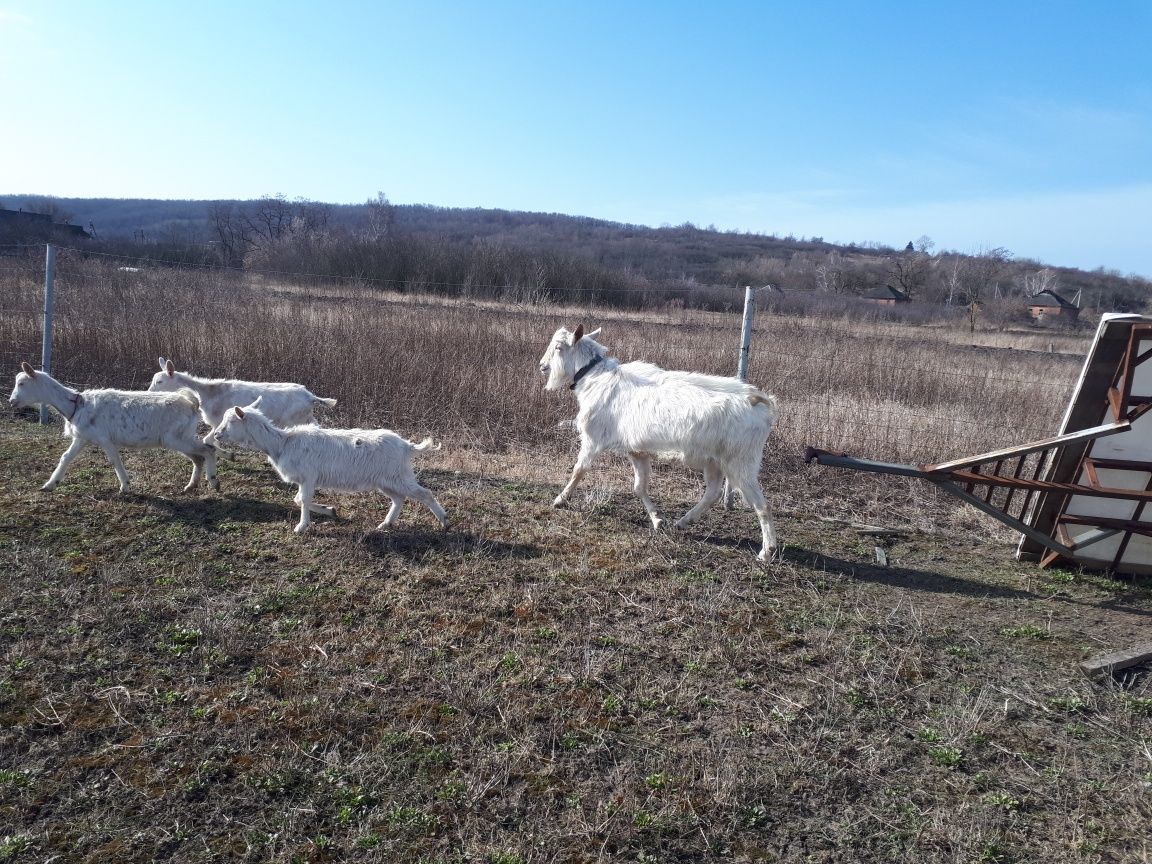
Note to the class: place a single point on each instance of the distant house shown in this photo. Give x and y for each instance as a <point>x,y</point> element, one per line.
<point>1047,305</point>
<point>886,296</point>
<point>24,227</point>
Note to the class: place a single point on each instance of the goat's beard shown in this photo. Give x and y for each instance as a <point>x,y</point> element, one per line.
<point>556,379</point>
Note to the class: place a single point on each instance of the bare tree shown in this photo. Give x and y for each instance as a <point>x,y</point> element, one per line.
<point>910,271</point>
<point>1042,280</point>
<point>381,215</point>
<point>982,272</point>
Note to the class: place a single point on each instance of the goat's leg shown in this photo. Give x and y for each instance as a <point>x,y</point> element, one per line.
<point>642,466</point>
<point>66,458</point>
<point>117,465</point>
<point>713,488</point>
<point>304,498</point>
<point>428,500</point>
<point>393,511</point>
<point>749,488</point>
<point>583,463</point>
<point>322,509</point>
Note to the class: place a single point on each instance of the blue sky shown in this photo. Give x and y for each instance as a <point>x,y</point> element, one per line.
<point>1026,125</point>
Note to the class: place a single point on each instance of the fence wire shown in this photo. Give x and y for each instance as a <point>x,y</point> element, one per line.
<point>827,382</point>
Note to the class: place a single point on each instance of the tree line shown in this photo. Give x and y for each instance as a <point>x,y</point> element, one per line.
<point>539,257</point>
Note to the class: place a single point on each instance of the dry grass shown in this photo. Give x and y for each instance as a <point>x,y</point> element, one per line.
<point>182,679</point>
<point>465,371</point>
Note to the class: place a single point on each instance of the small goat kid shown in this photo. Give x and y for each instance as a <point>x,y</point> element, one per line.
<point>341,460</point>
<point>715,425</point>
<point>111,419</point>
<point>284,404</point>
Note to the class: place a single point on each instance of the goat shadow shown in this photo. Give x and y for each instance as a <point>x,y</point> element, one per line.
<point>211,512</point>
<point>913,579</point>
<point>418,543</point>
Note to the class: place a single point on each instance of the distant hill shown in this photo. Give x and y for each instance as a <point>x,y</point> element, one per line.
<point>572,250</point>
<point>658,252</point>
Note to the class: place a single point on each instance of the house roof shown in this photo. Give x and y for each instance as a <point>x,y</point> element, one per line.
<point>24,220</point>
<point>1050,298</point>
<point>886,293</point>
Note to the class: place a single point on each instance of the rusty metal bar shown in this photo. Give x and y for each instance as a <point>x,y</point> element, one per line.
<point>1050,486</point>
<point>1033,447</point>
<point>1016,473</point>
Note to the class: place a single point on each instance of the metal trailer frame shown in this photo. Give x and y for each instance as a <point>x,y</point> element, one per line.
<point>1030,487</point>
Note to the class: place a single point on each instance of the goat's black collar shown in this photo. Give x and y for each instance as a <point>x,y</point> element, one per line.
<point>584,370</point>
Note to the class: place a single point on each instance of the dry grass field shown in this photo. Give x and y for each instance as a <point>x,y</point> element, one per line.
<point>182,679</point>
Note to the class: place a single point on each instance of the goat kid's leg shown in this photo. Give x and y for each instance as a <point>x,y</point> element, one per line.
<point>750,490</point>
<point>322,509</point>
<point>117,465</point>
<point>197,470</point>
<point>713,489</point>
<point>66,458</point>
<point>642,466</point>
<point>583,463</point>
<point>304,498</point>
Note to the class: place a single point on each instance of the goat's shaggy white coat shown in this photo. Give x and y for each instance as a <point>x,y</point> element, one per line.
<point>340,460</point>
<point>284,404</point>
<point>713,424</point>
<point>111,419</point>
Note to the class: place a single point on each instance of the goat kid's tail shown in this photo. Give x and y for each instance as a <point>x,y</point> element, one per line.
<point>331,403</point>
<point>189,395</point>
<point>427,444</point>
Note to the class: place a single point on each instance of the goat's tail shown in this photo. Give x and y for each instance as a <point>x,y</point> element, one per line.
<point>331,403</point>
<point>190,396</point>
<point>427,444</point>
<point>759,397</point>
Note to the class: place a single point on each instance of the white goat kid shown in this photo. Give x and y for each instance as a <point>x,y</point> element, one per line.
<point>284,404</point>
<point>715,425</point>
<point>341,460</point>
<point>111,419</point>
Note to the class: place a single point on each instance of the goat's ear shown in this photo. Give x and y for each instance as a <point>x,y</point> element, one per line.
<point>163,363</point>
<point>593,334</point>
<point>579,334</point>
<point>256,404</point>
<point>239,411</point>
<point>169,368</point>
<point>28,370</point>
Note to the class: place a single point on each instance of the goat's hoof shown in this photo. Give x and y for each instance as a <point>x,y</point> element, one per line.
<point>658,523</point>
<point>681,525</point>
<point>48,487</point>
<point>215,484</point>
<point>560,501</point>
<point>300,529</point>
<point>767,556</point>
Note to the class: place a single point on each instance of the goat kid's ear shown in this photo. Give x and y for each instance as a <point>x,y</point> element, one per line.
<point>239,411</point>
<point>28,370</point>
<point>256,404</point>
<point>163,363</point>
<point>170,369</point>
<point>593,334</point>
<point>579,334</point>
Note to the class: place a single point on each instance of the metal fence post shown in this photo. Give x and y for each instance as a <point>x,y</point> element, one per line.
<point>742,364</point>
<point>746,332</point>
<point>46,343</point>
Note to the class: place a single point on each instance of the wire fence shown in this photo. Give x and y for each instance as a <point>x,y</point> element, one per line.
<point>879,389</point>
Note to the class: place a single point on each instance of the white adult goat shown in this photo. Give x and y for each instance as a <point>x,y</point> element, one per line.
<point>284,404</point>
<point>342,460</point>
<point>111,419</point>
<point>714,425</point>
